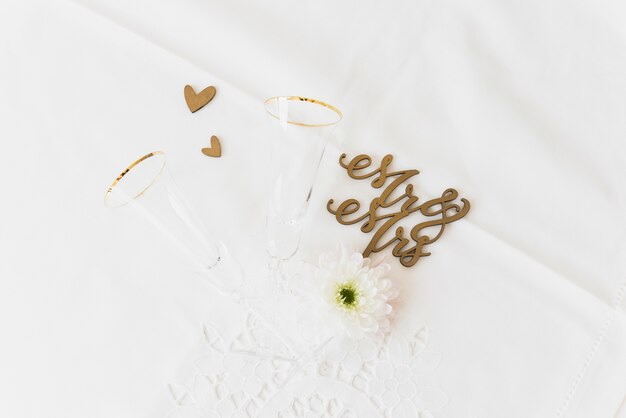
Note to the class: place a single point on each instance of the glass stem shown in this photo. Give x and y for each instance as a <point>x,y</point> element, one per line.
<point>279,274</point>
<point>305,359</point>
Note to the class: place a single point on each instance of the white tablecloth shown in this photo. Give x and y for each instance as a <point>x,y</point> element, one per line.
<point>520,106</point>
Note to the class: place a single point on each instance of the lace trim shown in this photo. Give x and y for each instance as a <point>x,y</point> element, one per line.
<point>254,375</point>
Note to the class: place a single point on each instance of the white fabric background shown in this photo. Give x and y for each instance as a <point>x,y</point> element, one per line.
<point>518,105</point>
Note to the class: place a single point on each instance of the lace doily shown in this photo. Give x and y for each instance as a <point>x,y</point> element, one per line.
<point>253,374</point>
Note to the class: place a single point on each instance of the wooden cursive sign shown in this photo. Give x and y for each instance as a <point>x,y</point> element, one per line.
<point>442,209</point>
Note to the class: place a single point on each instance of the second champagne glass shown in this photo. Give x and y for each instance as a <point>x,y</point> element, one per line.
<point>303,128</point>
<point>147,186</point>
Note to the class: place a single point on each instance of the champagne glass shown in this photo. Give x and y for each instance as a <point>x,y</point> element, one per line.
<point>303,128</point>
<point>148,187</point>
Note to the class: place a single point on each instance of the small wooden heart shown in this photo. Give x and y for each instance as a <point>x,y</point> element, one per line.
<point>215,150</point>
<point>197,101</point>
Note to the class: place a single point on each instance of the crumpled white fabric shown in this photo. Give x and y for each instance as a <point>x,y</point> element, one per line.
<point>519,106</point>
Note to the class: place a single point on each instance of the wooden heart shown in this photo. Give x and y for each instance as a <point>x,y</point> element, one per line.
<point>215,150</point>
<point>197,101</point>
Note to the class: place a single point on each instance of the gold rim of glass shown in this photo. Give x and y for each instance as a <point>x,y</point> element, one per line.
<point>309,100</point>
<point>126,171</point>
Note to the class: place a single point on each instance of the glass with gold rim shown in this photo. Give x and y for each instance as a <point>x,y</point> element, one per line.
<point>148,187</point>
<point>303,128</point>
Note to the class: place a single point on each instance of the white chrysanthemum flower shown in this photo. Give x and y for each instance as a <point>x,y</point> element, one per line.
<point>355,293</point>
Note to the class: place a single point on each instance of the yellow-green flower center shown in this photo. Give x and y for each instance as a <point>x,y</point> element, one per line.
<point>347,295</point>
